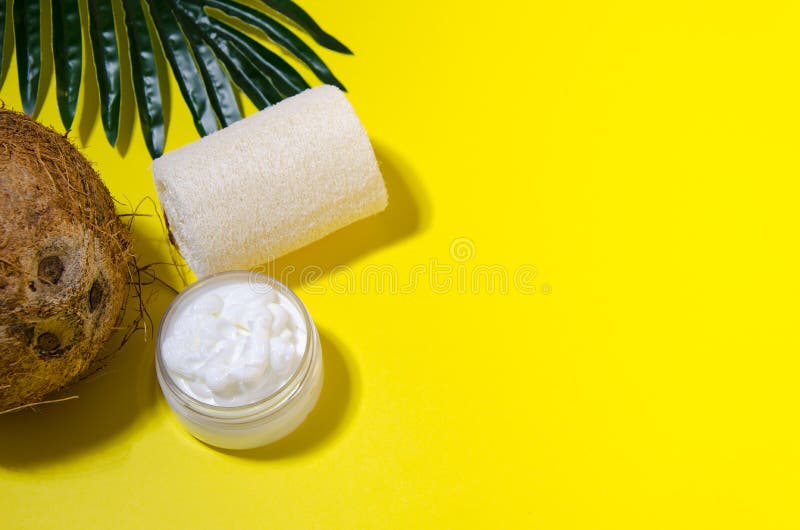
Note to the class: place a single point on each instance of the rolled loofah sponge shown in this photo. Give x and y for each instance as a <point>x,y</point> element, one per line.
<point>271,183</point>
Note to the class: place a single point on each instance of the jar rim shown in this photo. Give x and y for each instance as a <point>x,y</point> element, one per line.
<point>272,401</point>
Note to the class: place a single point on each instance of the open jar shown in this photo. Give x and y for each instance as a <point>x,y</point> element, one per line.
<point>238,359</point>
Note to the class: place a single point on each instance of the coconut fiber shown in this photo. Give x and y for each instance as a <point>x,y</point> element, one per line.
<point>64,258</point>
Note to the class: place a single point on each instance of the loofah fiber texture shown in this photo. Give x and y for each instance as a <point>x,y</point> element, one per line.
<point>271,183</point>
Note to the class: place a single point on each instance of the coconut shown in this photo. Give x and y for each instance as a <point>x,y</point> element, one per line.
<point>64,262</point>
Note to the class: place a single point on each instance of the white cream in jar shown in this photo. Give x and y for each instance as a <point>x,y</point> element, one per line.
<point>238,359</point>
<point>234,344</point>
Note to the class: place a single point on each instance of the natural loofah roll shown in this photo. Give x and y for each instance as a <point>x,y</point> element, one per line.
<point>270,183</point>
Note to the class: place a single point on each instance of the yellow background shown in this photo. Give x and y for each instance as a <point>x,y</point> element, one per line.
<point>642,156</point>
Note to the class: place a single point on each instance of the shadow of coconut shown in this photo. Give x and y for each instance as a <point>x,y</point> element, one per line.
<point>108,403</point>
<point>109,400</point>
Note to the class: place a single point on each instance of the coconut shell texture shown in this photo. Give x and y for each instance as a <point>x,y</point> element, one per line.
<point>64,262</point>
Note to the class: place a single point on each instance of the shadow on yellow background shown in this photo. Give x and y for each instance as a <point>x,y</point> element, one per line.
<point>124,391</point>
<point>113,399</point>
<point>338,403</point>
<point>109,402</point>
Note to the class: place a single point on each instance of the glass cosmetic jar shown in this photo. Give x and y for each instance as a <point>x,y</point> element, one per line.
<point>271,399</point>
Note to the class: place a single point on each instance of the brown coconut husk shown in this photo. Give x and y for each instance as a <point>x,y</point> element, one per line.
<point>65,261</point>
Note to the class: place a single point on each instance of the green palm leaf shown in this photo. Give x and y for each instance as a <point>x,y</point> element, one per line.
<point>183,66</point>
<point>68,57</point>
<point>297,15</point>
<point>206,54</point>
<point>145,78</point>
<point>218,86</point>
<point>253,82</point>
<point>3,10</point>
<point>29,51</point>
<point>106,63</point>
<point>285,78</point>
<point>280,35</point>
